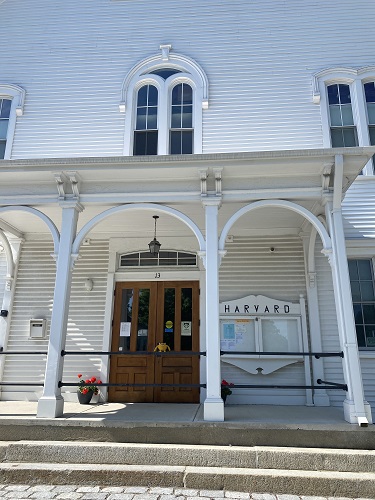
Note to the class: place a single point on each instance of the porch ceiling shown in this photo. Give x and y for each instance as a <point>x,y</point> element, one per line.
<point>174,181</point>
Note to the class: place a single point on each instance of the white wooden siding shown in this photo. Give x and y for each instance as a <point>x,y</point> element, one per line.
<point>34,299</point>
<point>250,268</point>
<point>359,209</point>
<point>259,58</point>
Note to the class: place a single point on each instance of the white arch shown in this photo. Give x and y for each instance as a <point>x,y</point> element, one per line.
<point>173,60</point>
<point>51,226</point>
<point>141,206</point>
<point>9,255</point>
<point>280,204</point>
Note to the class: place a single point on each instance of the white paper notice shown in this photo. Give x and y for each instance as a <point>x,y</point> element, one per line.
<point>186,328</point>
<point>125,329</point>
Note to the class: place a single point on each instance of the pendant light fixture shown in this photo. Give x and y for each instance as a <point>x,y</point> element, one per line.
<point>154,245</point>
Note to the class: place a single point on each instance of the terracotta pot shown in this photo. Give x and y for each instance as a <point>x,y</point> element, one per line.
<point>85,399</point>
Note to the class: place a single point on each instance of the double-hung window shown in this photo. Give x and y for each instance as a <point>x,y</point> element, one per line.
<point>361,274</point>
<point>5,105</point>
<point>343,130</point>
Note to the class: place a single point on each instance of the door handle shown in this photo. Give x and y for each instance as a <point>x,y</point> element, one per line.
<point>162,347</point>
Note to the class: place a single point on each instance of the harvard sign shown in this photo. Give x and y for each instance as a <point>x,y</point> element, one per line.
<point>258,304</point>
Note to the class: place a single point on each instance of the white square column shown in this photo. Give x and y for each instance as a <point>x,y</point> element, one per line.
<point>213,405</point>
<point>51,404</point>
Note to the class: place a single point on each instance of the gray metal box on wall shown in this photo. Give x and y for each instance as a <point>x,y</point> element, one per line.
<point>38,328</point>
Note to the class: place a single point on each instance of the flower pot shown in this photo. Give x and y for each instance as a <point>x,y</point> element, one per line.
<point>84,399</point>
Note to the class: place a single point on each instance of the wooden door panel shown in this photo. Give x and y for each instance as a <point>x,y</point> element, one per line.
<point>156,312</point>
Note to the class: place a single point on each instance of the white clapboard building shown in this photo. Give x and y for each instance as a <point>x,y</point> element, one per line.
<point>235,134</point>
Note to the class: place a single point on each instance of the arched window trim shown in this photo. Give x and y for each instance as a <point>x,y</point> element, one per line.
<point>17,96</point>
<point>191,73</point>
<point>355,78</point>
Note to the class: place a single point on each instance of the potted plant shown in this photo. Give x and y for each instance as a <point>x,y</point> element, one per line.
<point>225,389</point>
<point>86,392</point>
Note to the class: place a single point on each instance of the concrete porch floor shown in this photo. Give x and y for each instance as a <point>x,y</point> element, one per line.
<point>244,425</point>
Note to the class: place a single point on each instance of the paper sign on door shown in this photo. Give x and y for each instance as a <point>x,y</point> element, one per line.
<point>125,329</point>
<point>186,328</point>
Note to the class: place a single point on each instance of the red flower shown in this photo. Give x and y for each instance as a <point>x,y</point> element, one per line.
<point>88,381</point>
<point>93,379</point>
<point>79,375</point>
<point>99,381</point>
<point>85,391</point>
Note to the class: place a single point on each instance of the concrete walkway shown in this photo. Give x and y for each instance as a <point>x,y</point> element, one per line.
<point>17,492</point>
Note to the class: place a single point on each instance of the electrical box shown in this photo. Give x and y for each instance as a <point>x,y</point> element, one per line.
<point>38,328</point>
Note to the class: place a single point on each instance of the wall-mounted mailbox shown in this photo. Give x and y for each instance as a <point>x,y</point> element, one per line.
<point>38,328</point>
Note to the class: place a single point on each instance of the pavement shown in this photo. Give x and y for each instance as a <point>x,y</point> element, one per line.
<point>18,492</point>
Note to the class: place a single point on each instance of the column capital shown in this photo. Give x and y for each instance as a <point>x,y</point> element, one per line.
<point>211,202</point>
<point>72,204</point>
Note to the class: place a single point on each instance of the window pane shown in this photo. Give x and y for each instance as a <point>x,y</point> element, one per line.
<point>187,142</point>
<point>371,113</point>
<point>143,312</point>
<point>364,269</point>
<point>370,335</point>
<point>344,94</point>
<point>353,269</point>
<point>175,141</point>
<point>3,129</point>
<point>145,143</point>
<point>188,94</point>
<point>177,94</point>
<point>372,135</point>
<point>165,72</point>
<point>2,149</point>
<point>176,117</point>
<point>5,108</point>
<point>169,317</point>
<point>152,95</point>
<point>152,118</point>
<point>141,118</point>
<point>347,115</point>
<point>368,314</point>
<point>333,94</point>
<point>337,138</point>
<point>142,96</point>
<point>357,308</point>
<point>350,137</point>
<point>335,115</point>
<point>370,92</point>
<point>126,317</point>
<point>186,317</point>
<point>356,291</point>
<point>187,117</point>
<point>367,291</point>
<point>360,336</point>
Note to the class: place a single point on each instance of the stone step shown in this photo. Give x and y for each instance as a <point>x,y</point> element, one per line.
<point>255,457</point>
<point>289,482</point>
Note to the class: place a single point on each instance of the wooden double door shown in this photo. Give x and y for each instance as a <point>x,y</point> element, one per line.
<point>146,314</point>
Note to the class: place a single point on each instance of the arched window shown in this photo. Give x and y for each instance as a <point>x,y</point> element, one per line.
<point>5,105</point>
<point>146,123</point>
<point>163,98</point>
<point>181,131</point>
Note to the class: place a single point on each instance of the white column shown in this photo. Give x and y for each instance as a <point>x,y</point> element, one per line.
<point>356,409</point>
<point>51,404</point>
<point>213,405</point>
